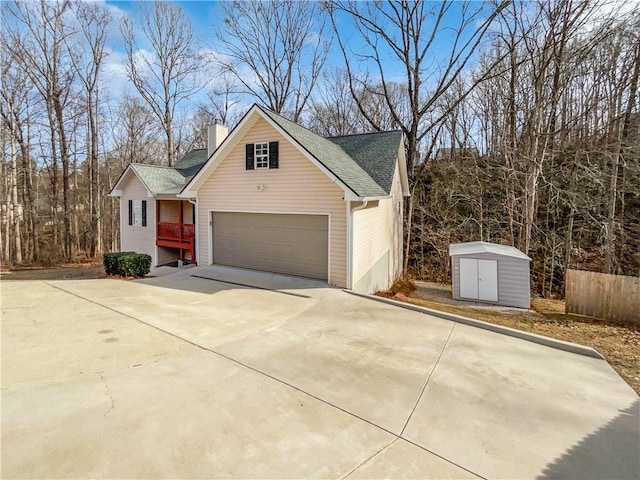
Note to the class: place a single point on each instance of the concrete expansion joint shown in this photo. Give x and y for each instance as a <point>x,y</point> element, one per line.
<point>369,458</point>
<point>424,386</point>
<point>109,396</point>
<point>256,370</point>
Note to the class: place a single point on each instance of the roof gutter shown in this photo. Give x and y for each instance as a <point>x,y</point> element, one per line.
<point>371,199</point>
<point>353,197</point>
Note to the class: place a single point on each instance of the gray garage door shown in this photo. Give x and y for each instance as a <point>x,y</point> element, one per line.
<point>291,244</point>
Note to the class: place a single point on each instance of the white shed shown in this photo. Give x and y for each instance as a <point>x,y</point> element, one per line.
<point>490,273</point>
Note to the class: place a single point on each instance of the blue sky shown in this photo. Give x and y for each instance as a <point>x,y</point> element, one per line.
<point>204,14</point>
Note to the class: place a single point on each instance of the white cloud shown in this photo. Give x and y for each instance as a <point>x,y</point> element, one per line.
<point>114,80</point>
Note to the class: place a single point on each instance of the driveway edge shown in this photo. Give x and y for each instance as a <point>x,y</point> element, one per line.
<point>511,332</point>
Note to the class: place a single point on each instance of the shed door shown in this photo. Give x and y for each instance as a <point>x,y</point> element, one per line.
<point>488,280</point>
<point>469,278</point>
<point>479,279</point>
<point>291,244</point>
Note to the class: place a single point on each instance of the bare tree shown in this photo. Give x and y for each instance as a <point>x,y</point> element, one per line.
<point>222,101</point>
<point>166,74</point>
<point>558,135</point>
<point>134,133</point>
<point>39,41</point>
<point>94,22</point>
<point>410,35</point>
<point>333,111</point>
<point>14,91</point>
<point>276,50</point>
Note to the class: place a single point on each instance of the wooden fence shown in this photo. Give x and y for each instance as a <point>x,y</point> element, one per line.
<point>600,295</point>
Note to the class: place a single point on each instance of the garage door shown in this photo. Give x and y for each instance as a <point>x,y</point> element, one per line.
<point>291,244</point>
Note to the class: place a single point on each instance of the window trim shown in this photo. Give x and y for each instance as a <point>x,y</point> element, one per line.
<point>133,219</point>
<point>262,157</point>
<point>268,153</point>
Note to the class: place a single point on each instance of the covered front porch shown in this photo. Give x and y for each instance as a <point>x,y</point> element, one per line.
<point>175,231</point>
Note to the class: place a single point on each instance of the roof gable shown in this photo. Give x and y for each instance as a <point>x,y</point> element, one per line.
<point>355,177</point>
<point>160,180</point>
<point>333,157</point>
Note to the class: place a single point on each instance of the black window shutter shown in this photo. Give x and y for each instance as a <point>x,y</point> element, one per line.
<point>144,213</point>
<point>250,153</point>
<point>130,212</point>
<point>273,154</point>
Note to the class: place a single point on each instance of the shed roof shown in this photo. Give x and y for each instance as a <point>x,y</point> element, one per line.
<point>470,248</point>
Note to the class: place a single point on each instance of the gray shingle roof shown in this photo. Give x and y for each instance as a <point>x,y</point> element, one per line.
<point>171,180</point>
<point>366,173</point>
<point>375,152</point>
<point>191,162</point>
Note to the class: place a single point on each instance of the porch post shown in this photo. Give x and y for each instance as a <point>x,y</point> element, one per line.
<point>181,219</point>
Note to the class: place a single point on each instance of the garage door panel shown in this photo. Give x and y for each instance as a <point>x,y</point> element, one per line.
<point>291,244</point>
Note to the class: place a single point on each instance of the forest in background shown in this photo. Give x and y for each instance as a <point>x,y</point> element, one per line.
<point>521,119</point>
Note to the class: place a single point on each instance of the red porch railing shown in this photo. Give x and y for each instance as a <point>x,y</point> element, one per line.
<point>176,235</point>
<point>182,232</point>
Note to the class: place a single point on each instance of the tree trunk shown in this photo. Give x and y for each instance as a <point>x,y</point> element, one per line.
<point>94,199</point>
<point>64,156</point>
<point>31,203</point>
<point>16,208</point>
<point>53,177</point>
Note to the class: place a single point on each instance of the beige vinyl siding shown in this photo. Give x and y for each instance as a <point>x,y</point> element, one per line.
<point>187,212</point>
<point>297,186</point>
<point>135,237</point>
<point>167,255</point>
<point>377,231</point>
<point>170,211</point>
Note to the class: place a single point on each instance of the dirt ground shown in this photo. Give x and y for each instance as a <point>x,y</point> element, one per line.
<point>69,271</point>
<point>617,342</point>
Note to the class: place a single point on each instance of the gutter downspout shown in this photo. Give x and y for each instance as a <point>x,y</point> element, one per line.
<point>350,212</point>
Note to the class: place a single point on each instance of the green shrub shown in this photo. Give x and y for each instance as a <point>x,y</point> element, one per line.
<point>127,264</point>
<point>134,264</point>
<point>110,261</point>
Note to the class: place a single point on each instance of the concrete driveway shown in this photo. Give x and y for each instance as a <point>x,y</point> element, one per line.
<point>188,377</point>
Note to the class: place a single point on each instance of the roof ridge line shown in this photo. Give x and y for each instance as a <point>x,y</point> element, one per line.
<point>365,133</point>
<point>151,165</point>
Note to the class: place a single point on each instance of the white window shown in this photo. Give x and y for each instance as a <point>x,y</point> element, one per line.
<point>138,213</point>
<point>262,155</point>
